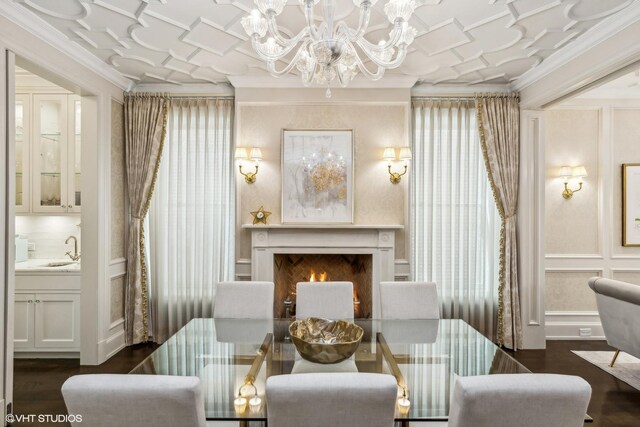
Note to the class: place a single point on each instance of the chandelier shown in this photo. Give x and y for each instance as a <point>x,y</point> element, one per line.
<point>329,51</point>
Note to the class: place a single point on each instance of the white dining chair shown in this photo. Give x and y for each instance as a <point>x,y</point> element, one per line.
<point>328,300</point>
<point>523,400</point>
<point>409,300</point>
<point>115,400</point>
<point>244,300</point>
<point>331,399</point>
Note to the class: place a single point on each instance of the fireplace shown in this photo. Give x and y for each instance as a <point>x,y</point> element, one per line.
<point>290,269</point>
<point>374,246</point>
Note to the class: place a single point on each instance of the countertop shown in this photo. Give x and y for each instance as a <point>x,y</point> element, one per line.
<point>42,266</point>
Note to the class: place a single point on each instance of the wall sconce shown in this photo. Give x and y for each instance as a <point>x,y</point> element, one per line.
<point>404,154</point>
<point>245,154</point>
<point>567,173</point>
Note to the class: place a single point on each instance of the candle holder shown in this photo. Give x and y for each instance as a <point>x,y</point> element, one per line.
<point>404,404</point>
<point>240,404</point>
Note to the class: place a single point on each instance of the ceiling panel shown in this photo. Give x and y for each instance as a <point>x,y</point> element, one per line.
<point>196,41</point>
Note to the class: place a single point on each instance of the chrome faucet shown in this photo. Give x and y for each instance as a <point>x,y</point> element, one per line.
<point>76,255</point>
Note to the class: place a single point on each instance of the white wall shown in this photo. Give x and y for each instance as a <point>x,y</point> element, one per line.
<point>378,118</point>
<point>48,234</point>
<point>583,234</point>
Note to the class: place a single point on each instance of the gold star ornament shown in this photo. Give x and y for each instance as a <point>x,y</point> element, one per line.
<point>260,216</point>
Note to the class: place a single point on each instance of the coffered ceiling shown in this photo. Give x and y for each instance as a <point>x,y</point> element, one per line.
<point>202,41</point>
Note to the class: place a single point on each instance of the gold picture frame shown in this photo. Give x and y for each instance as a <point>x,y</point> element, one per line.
<point>631,204</point>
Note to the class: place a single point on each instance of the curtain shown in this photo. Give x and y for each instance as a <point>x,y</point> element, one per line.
<point>453,218</point>
<point>499,125</point>
<point>192,216</point>
<point>145,119</point>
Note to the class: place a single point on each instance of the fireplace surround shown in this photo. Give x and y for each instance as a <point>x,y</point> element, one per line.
<point>377,241</point>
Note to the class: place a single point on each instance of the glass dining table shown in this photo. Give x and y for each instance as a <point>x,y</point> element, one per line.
<point>235,356</point>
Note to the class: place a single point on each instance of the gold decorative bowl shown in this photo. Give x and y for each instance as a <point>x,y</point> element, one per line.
<point>325,341</point>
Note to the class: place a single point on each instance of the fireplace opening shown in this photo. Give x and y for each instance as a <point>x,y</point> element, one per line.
<point>289,269</point>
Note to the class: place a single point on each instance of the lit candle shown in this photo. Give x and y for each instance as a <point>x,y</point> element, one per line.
<point>255,403</point>
<point>403,405</point>
<point>240,404</point>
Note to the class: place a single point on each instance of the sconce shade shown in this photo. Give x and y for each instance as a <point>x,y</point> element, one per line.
<point>389,153</point>
<point>579,172</point>
<point>241,153</point>
<point>565,172</point>
<point>255,154</point>
<point>405,153</point>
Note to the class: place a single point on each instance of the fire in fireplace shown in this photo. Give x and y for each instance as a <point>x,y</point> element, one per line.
<point>289,269</point>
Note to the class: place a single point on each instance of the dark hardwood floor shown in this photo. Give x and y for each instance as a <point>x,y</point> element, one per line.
<point>37,382</point>
<point>613,402</point>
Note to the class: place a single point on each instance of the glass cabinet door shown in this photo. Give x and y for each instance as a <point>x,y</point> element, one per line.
<point>74,199</point>
<point>50,153</point>
<point>23,143</point>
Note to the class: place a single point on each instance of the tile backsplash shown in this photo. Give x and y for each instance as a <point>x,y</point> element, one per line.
<point>48,233</point>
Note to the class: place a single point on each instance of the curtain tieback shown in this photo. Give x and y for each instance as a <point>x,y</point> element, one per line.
<point>137,217</point>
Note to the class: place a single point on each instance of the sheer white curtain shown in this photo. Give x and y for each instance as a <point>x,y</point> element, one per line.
<point>191,237</point>
<point>455,226</point>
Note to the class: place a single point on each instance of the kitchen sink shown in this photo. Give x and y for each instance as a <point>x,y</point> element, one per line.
<point>60,263</point>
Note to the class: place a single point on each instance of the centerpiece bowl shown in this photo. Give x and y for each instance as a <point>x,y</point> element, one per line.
<point>325,341</point>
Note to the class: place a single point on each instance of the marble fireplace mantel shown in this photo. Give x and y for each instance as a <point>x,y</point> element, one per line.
<point>376,240</point>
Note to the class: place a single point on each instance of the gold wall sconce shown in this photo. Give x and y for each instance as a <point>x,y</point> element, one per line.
<point>246,155</point>
<point>568,173</point>
<point>392,154</point>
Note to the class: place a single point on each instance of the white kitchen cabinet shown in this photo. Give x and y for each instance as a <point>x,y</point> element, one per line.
<point>23,152</point>
<point>57,320</point>
<point>49,160</point>
<point>23,332</point>
<point>47,314</point>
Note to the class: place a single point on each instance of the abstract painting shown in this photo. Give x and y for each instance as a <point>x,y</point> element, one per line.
<point>317,176</point>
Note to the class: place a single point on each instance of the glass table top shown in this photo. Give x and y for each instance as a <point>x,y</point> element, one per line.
<point>428,354</point>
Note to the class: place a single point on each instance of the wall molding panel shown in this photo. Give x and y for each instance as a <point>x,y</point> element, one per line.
<point>613,260</point>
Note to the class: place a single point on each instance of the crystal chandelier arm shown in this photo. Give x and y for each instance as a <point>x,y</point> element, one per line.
<point>363,24</point>
<point>275,33</point>
<point>371,75</point>
<point>257,46</point>
<point>400,55</point>
<point>272,66</point>
<point>308,16</point>
<point>394,38</point>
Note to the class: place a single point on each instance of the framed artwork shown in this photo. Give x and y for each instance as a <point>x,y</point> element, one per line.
<point>317,176</point>
<point>631,204</point>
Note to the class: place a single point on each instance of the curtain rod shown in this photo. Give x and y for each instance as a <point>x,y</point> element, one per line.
<point>201,97</point>
<point>443,98</point>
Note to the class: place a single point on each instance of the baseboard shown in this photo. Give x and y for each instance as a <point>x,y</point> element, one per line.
<point>573,325</point>
<point>46,355</point>
<point>112,345</point>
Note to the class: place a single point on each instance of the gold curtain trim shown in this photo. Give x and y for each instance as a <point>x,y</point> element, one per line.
<point>145,209</point>
<point>498,200</point>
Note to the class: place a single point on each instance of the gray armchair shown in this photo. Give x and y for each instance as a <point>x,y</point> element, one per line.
<point>619,308</point>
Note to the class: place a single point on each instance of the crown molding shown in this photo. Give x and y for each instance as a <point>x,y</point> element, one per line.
<point>186,89</point>
<point>605,29</point>
<point>45,32</point>
<point>457,89</point>
<point>389,81</point>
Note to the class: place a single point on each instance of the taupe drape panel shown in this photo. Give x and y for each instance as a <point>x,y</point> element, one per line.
<point>499,126</point>
<point>145,117</point>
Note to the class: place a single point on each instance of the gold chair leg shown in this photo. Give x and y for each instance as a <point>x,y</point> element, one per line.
<point>615,356</point>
